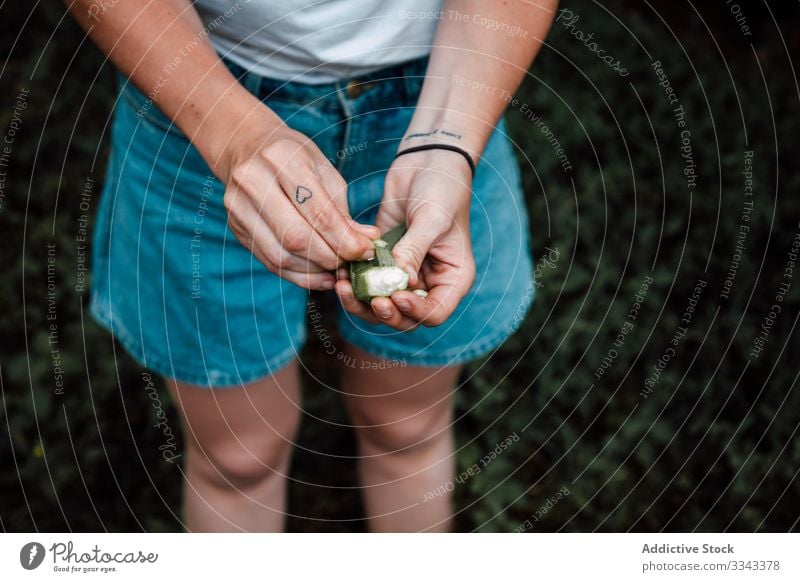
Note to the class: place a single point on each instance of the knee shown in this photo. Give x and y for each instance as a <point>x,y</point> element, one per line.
<point>239,464</point>
<point>410,435</point>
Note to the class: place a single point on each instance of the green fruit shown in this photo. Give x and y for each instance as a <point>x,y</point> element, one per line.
<point>379,277</point>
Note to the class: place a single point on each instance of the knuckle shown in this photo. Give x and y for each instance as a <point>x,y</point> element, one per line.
<point>319,216</point>
<point>299,281</point>
<point>350,248</point>
<point>285,153</point>
<point>274,149</point>
<point>227,203</point>
<point>437,215</point>
<point>328,261</point>
<point>294,239</point>
<point>239,231</point>
<point>412,252</point>
<point>230,198</point>
<point>284,261</point>
<point>277,155</point>
<point>239,174</point>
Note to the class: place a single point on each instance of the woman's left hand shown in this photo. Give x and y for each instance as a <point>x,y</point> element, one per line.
<point>430,191</point>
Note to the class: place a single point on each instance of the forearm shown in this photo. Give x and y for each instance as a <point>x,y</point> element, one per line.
<point>162,47</point>
<point>481,53</point>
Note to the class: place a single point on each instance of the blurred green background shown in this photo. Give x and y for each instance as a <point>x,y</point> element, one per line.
<point>713,446</point>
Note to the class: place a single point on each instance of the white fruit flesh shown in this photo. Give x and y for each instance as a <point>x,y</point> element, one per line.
<point>383,281</point>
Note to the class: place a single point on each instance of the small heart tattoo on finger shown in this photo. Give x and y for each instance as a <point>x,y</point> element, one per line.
<point>302,194</point>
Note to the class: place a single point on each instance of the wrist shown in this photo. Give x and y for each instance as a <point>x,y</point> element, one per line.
<point>437,179</point>
<point>442,147</point>
<point>237,122</point>
<point>447,126</point>
<point>444,134</point>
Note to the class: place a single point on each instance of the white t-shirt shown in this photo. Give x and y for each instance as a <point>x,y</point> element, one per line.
<point>319,41</point>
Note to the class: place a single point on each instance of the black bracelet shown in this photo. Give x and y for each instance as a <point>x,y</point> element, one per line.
<point>441,146</point>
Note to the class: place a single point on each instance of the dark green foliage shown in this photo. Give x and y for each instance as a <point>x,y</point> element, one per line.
<point>712,447</point>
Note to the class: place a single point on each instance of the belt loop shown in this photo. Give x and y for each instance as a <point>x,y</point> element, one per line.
<point>341,94</point>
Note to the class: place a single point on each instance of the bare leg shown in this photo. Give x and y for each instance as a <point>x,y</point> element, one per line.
<point>403,419</point>
<point>238,447</point>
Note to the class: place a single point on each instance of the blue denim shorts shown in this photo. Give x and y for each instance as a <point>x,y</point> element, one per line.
<point>188,301</point>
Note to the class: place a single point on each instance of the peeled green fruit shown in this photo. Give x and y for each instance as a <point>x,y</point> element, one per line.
<point>379,277</point>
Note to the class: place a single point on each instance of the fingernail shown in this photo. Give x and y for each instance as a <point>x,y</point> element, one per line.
<point>368,255</point>
<point>384,313</point>
<point>403,304</point>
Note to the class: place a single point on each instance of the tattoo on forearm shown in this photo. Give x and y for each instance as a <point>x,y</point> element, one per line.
<point>302,194</point>
<point>433,133</point>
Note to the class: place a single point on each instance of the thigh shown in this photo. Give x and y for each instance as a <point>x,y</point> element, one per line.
<point>170,279</point>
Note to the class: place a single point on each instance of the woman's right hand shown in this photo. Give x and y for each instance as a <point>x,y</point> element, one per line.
<point>287,204</point>
<point>285,201</point>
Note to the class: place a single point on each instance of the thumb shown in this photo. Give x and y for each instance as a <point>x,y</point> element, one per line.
<point>392,209</point>
<point>411,250</point>
<point>390,214</point>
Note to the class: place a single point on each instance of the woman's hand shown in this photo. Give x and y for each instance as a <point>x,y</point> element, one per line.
<point>287,204</point>
<point>431,192</point>
<point>285,201</point>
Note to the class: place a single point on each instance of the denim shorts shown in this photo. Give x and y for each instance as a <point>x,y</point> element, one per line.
<point>188,301</point>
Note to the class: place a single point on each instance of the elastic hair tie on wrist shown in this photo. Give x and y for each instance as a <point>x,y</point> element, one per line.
<point>440,146</point>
